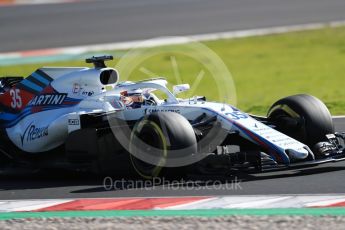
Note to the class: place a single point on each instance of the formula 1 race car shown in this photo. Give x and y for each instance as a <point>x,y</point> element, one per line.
<point>85,119</point>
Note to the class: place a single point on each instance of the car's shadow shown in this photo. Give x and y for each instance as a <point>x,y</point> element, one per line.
<point>205,180</point>
<point>85,183</point>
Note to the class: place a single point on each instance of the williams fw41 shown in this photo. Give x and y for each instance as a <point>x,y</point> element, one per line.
<point>86,119</point>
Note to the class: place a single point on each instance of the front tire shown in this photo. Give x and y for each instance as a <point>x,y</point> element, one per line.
<point>303,117</point>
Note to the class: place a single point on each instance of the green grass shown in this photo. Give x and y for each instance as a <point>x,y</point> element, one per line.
<point>264,68</point>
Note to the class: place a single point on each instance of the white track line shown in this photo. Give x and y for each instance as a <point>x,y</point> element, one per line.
<point>29,205</point>
<point>34,2</point>
<point>339,117</point>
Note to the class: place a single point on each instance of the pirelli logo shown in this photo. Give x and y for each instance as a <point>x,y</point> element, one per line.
<point>48,99</point>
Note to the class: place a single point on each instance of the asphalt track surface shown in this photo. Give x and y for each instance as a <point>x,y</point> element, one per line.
<point>27,27</point>
<point>327,178</point>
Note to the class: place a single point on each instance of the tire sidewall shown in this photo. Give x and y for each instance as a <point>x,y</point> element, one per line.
<point>314,117</point>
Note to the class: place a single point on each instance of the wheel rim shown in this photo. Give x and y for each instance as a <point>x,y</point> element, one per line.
<point>284,111</point>
<point>149,133</point>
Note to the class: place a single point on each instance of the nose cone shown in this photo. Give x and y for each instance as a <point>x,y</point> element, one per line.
<point>297,155</point>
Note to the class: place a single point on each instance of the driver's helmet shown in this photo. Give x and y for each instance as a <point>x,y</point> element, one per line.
<point>132,99</point>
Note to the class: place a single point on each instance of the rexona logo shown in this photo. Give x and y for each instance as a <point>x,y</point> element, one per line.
<point>32,133</point>
<point>48,99</point>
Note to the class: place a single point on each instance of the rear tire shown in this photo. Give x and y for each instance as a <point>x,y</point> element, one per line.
<point>303,117</point>
<point>160,136</point>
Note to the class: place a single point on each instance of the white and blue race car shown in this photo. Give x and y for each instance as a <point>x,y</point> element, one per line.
<point>85,119</point>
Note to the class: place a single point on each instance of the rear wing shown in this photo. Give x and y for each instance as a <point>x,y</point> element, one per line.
<point>8,82</point>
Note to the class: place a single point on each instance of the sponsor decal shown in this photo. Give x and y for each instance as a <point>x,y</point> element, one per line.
<point>32,133</point>
<point>147,111</point>
<point>48,99</point>
<point>87,93</point>
<point>76,88</point>
<point>73,122</point>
